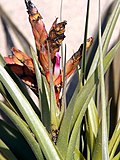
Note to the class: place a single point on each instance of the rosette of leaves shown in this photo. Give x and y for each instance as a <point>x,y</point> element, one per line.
<point>54,129</point>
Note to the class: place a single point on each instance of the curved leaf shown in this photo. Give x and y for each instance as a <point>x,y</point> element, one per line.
<point>83,65</point>
<point>106,35</point>
<point>20,85</point>
<point>92,121</point>
<point>114,141</point>
<point>79,100</point>
<point>43,101</point>
<point>5,151</point>
<point>15,141</point>
<point>62,142</point>
<point>105,154</point>
<point>24,130</point>
<point>97,150</point>
<point>29,115</point>
<point>117,157</point>
<point>75,131</point>
<point>93,117</point>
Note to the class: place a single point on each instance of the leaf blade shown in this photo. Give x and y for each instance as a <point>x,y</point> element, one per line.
<point>27,111</point>
<point>23,129</point>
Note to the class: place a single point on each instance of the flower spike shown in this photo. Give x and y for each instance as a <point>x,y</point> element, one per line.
<point>22,65</point>
<point>31,8</point>
<point>75,59</point>
<point>56,36</point>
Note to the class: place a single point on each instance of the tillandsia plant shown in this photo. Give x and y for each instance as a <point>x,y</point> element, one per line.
<point>54,130</point>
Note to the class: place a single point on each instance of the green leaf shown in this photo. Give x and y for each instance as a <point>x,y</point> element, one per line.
<point>22,87</point>
<point>85,41</point>
<point>78,155</point>
<point>111,24</point>
<point>6,152</point>
<point>63,137</point>
<point>24,90</point>
<point>113,144</point>
<point>38,78</point>
<point>103,96</point>
<point>97,150</point>
<point>114,141</point>
<point>29,115</point>
<point>79,100</point>
<point>23,129</point>
<point>107,61</point>
<point>15,141</point>
<point>93,117</point>
<point>2,61</point>
<point>77,146</point>
<point>92,123</point>
<point>108,116</point>
<point>3,157</point>
<point>106,35</point>
<point>43,101</point>
<point>117,142</point>
<point>117,157</point>
<point>110,56</point>
<point>94,79</point>
<point>82,97</point>
<point>73,138</point>
<point>8,99</point>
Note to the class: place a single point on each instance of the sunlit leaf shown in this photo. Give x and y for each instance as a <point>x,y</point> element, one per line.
<point>27,111</point>
<point>23,129</point>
